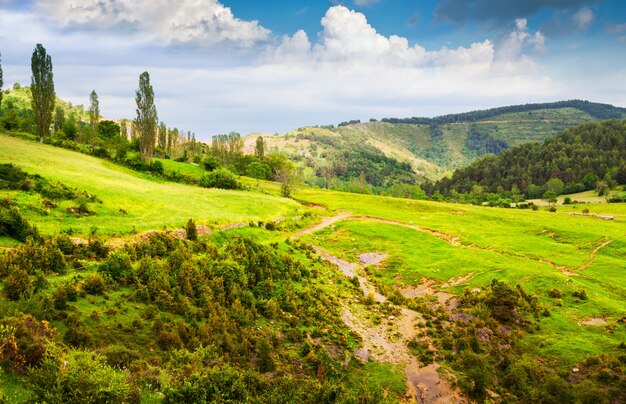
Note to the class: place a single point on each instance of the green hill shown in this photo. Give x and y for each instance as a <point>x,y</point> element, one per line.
<point>573,161</point>
<point>16,113</point>
<point>127,200</point>
<point>432,146</point>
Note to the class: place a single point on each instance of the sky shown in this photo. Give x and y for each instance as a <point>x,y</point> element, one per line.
<point>272,66</point>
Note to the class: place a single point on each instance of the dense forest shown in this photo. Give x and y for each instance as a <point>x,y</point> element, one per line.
<point>589,156</point>
<point>599,111</point>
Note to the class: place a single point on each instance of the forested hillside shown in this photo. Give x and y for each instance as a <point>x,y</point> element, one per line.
<point>430,147</point>
<point>585,157</point>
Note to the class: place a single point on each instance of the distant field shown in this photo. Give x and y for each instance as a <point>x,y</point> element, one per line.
<point>148,204</point>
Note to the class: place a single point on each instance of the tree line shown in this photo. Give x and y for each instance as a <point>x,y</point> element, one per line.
<point>597,110</point>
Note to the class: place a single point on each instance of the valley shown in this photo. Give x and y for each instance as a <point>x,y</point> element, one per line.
<point>407,286</point>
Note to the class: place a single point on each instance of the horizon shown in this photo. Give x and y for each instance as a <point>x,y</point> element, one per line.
<point>222,66</point>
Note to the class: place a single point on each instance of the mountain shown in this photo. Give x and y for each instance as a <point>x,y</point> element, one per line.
<point>432,146</point>
<point>573,161</point>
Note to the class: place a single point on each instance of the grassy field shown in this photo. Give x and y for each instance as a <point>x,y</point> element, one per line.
<point>147,202</point>
<point>417,257</point>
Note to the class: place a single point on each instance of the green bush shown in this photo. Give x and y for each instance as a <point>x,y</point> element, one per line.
<point>14,225</point>
<point>190,229</point>
<point>79,377</point>
<point>17,285</point>
<point>94,284</point>
<point>117,266</point>
<point>220,178</point>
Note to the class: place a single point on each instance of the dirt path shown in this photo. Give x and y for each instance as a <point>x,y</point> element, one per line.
<point>444,236</point>
<point>592,254</point>
<point>424,383</point>
<point>455,241</point>
<point>326,221</point>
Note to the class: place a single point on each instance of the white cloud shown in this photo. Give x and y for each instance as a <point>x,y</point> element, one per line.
<point>168,21</point>
<point>512,47</point>
<point>583,18</point>
<point>348,71</point>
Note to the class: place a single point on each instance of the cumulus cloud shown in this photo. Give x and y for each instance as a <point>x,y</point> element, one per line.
<point>169,21</point>
<point>347,39</point>
<point>512,46</point>
<point>500,11</point>
<point>348,71</point>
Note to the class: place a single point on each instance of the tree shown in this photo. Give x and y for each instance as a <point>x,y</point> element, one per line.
<point>94,112</point>
<point>1,80</point>
<point>192,231</point>
<point>59,118</point>
<point>289,177</point>
<point>266,363</point>
<point>42,90</point>
<point>555,185</point>
<point>124,129</point>
<point>109,130</point>
<point>162,136</point>
<point>146,120</point>
<point>259,147</point>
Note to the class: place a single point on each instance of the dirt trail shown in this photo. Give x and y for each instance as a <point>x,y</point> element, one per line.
<point>424,384</point>
<point>455,241</point>
<point>327,221</point>
<point>444,236</point>
<point>592,254</point>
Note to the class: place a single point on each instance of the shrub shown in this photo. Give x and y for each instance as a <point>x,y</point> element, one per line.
<point>169,340</point>
<point>77,336</point>
<point>192,232</point>
<point>555,293</point>
<point>220,178</point>
<point>17,285</point>
<point>28,341</point>
<point>117,266</point>
<point>13,224</point>
<point>94,284</point>
<point>580,294</point>
<point>266,363</point>
<point>157,167</point>
<point>78,377</point>
<point>118,356</point>
<point>210,164</point>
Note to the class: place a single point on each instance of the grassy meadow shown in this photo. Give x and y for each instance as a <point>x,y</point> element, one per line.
<point>129,200</point>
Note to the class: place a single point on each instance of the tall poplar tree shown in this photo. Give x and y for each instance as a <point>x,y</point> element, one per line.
<point>94,112</point>
<point>42,90</point>
<point>59,118</point>
<point>162,136</point>
<point>1,80</point>
<point>259,147</point>
<point>146,120</point>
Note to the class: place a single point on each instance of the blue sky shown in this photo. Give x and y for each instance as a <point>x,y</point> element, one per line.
<point>271,66</point>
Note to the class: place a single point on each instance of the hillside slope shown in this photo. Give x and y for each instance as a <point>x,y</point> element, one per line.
<point>434,146</point>
<point>130,200</point>
<point>573,161</point>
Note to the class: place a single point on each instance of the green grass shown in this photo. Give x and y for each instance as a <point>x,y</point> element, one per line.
<point>12,389</point>
<point>510,244</point>
<point>148,203</point>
